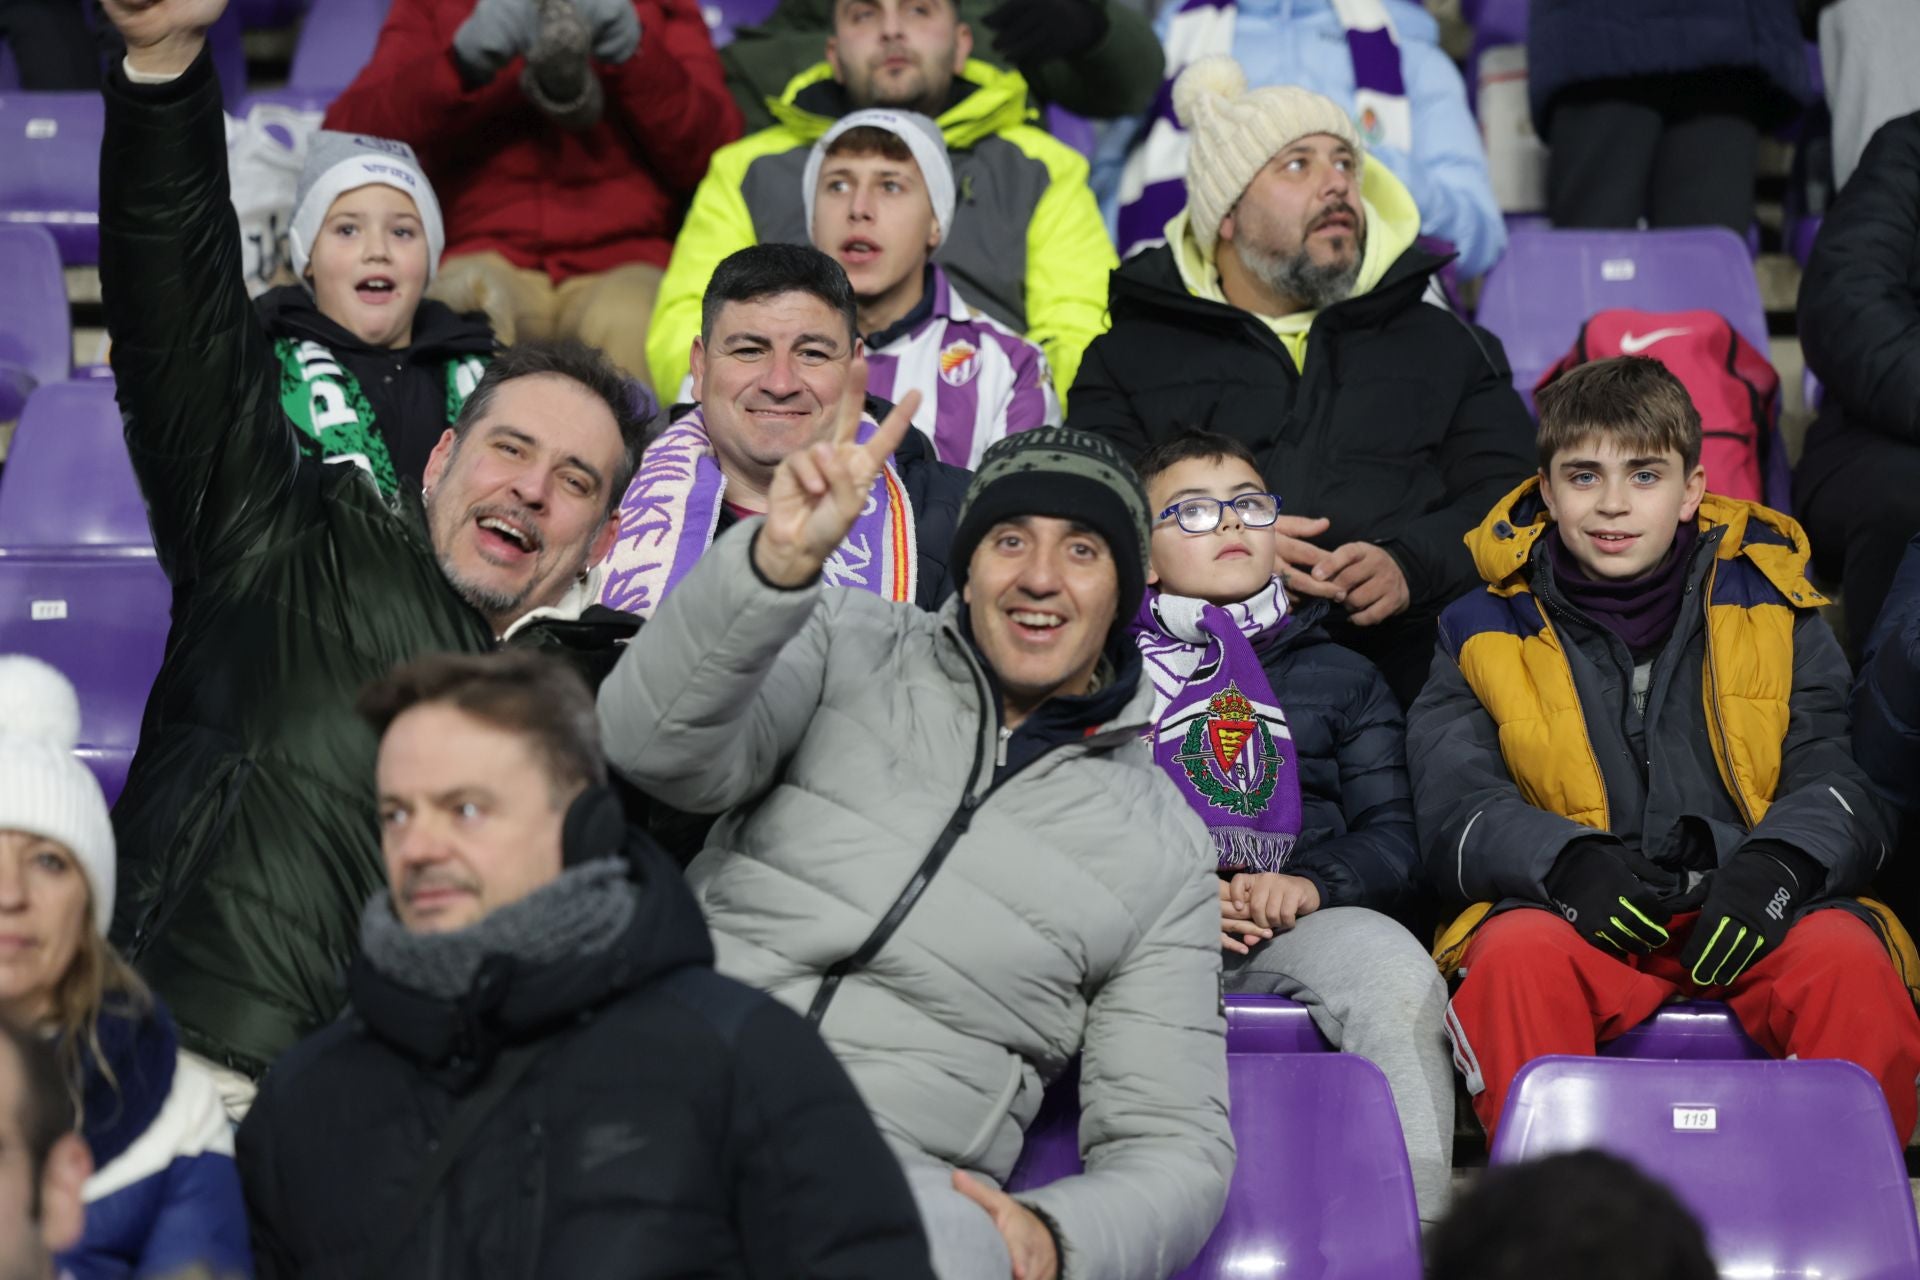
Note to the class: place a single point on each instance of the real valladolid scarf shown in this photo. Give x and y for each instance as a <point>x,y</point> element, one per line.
<point>1218,731</point>
<point>672,509</point>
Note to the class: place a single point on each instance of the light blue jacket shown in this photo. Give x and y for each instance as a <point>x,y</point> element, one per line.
<point>1302,42</point>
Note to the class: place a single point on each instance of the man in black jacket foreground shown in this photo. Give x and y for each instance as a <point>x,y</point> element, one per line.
<point>1285,311</point>
<point>541,1073</point>
<point>247,837</point>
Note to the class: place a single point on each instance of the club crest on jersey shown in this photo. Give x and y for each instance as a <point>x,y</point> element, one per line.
<point>1230,756</point>
<point>959,363</point>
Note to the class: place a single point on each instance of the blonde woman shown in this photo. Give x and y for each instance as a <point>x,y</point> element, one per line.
<point>164,1195</point>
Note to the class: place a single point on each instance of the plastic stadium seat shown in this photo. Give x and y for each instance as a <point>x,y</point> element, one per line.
<point>1536,297</point>
<point>1792,1167</point>
<point>229,55</point>
<point>36,332</point>
<point>79,584</point>
<point>1495,21</point>
<point>1321,1189</point>
<point>1272,1024</point>
<point>264,15</point>
<point>336,40</point>
<point>1693,1029</point>
<point>1076,131</point>
<point>50,167</point>
<point>1551,282</point>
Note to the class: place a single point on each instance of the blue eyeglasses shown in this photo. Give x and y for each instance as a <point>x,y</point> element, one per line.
<point>1203,515</point>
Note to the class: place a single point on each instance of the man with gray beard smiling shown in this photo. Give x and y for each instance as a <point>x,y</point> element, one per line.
<point>1285,310</point>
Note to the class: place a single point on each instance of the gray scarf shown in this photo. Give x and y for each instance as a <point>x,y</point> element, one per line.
<point>583,912</point>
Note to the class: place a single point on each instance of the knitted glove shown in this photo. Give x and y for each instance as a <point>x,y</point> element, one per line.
<point>1748,909</point>
<point>1031,31</point>
<point>1599,894</point>
<point>495,34</point>
<point>615,27</point>
<point>558,78</point>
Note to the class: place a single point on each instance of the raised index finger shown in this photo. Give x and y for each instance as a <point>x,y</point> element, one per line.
<point>893,429</point>
<point>853,402</point>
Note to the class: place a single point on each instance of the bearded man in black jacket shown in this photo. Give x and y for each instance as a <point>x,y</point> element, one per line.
<point>1286,311</point>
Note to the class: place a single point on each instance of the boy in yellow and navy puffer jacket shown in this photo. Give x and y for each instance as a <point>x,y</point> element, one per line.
<point>1632,754</point>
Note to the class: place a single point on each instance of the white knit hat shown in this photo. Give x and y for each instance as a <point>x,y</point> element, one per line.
<point>44,790</point>
<point>341,162</point>
<point>1236,131</point>
<point>923,139</point>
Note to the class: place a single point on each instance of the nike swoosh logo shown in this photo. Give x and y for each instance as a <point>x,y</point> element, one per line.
<point>1634,343</point>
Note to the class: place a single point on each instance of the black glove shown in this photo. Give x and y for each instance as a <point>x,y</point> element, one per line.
<point>1031,31</point>
<point>1748,909</point>
<point>1601,896</point>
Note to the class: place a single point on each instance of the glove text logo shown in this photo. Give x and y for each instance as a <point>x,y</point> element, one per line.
<point>1777,908</point>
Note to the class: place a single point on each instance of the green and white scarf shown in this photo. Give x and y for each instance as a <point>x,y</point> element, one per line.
<point>324,400</point>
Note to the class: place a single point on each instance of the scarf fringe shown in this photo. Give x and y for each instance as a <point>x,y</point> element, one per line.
<point>1244,849</point>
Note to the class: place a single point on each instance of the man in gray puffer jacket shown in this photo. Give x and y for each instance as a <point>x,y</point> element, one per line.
<point>948,843</point>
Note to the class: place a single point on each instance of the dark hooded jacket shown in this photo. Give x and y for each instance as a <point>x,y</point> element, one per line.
<point>1357,841</point>
<point>247,834</point>
<point>1402,429</point>
<point>672,1123</point>
<point>406,389</point>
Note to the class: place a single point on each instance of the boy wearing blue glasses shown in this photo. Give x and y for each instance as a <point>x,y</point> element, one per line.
<point>1293,752</point>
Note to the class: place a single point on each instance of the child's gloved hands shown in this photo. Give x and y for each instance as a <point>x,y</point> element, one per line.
<point>494,34</point>
<point>1749,907</point>
<point>1600,894</point>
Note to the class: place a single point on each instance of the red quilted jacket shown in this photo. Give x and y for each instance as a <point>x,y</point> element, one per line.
<point>511,181</point>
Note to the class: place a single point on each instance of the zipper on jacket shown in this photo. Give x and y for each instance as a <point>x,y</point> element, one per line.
<point>1000,751</point>
<point>1724,744</point>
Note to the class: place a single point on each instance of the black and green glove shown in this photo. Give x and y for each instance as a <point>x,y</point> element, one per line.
<point>1032,31</point>
<point>1616,910</point>
<point>1749,907</point>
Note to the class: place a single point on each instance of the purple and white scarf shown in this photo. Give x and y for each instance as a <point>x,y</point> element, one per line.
<point>1218,730</point>
<point>1153,184</point>
<point>671,510</point>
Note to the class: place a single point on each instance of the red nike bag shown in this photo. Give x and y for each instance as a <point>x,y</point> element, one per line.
<point>1732,385</point>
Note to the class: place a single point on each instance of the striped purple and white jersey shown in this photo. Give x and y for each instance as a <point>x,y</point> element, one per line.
<point>978,380</point>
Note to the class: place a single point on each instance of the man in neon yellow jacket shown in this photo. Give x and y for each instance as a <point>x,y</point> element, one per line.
<point>1029,247</point>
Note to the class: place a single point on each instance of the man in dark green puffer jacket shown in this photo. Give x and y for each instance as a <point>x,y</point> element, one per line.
<point>247,829</point>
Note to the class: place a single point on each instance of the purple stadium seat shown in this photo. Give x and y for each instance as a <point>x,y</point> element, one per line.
<point>9,73</point>
<point>1076,131</point>
<point>79,584</point>
<point>1695,1029</point>
<point>1495,21</point>
<point>1792,1167</point>
<point>50,167</point>
<point>36,333</point>
<point>336,40</point>
<point>1550,282</point>
<point>229,56</point>
<point>1321,1190</point>
<point>1272,1024</point>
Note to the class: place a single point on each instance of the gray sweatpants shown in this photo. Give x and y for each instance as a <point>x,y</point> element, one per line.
<point>1373,991</point>
<point>961,1237</point>
<point>1867,54</point>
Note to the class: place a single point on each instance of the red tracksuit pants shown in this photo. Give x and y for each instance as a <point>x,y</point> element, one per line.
<point>1534,986</point>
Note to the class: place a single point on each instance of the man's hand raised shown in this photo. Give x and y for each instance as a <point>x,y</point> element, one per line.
<point>819,491</point>
<point>163,36</point>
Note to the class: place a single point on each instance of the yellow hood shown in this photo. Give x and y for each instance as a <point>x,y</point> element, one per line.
<point>1393,223</point>
<point>1772,542</point>
<point>997,103</point>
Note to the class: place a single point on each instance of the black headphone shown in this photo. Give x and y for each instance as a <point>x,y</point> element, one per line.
<point>595,827</point>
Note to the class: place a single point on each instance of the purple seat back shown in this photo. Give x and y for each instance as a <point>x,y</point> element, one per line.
<point>50,167</point>
<point>36,331</point>
<point>1692,1029</point>
<point>1321,1189</point>
<point>9,71</point>
<point>79,584</point>
<point>336,40</point>
<point>1792,1167</point>
<point>1272,1024</point>
<point>1550,282</point>
<point>1076,131</point>
<point>1536,297</point>
<point>260,15</point>
<point>229,56</point>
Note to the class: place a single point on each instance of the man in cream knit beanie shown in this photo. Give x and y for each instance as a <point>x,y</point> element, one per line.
<point>1273,174</point>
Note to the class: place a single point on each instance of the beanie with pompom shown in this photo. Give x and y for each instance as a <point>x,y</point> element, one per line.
<point>44,789</point>
<point>1237,130</point>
